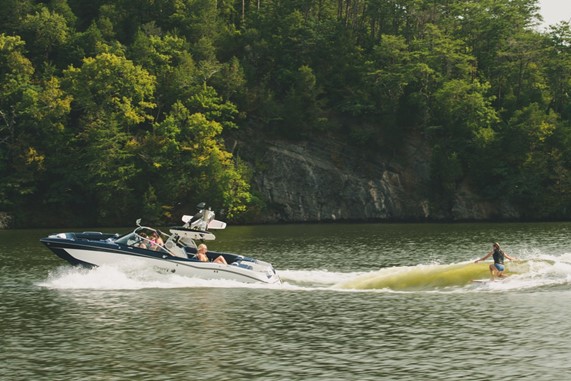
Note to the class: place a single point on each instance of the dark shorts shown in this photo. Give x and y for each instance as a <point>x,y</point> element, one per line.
<point>499,266</point>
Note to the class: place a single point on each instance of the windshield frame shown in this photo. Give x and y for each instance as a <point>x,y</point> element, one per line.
<point>134,238</point>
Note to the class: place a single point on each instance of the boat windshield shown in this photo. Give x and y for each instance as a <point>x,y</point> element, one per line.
<point>140,238</point>
<point>129,239</point>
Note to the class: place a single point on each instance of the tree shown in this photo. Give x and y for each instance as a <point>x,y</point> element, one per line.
<point>32,117</point>
<point>525,158</point>
<point>110,86</point>
<point>45,32</point>
<point>168,59</point>
<point>112,98</point>
<point>12,12</point>
<point>142,92</point>
<point>302,112</point>
<point>186,149</point>
<point>558,68</point>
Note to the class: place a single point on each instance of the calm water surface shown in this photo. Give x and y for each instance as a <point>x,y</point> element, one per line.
<point>359,302</point>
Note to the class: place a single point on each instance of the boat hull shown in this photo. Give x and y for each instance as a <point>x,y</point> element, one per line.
<point>94,253</point>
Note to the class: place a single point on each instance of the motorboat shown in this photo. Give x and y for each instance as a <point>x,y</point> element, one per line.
<point>172,253</point>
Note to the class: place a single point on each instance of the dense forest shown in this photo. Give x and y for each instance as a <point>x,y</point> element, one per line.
<point>117,109</point>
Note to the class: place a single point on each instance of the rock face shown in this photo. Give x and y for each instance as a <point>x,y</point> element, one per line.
<point>4,220</point>
<point>325,181</point>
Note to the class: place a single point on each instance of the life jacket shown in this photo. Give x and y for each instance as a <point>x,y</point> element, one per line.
<point>498,256</point>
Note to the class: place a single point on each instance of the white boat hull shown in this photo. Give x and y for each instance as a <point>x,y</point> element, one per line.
<point>166,264</point>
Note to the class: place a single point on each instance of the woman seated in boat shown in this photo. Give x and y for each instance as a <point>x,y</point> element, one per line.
<point>142,240</point>
<point>201,255</point>
<point>156,241</point>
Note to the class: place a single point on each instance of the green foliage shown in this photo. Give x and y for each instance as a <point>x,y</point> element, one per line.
<point>207,101</point>
<point>302,112</point>
<point>185,152</point>
<point>110,86</point>
<point>558,68</point>
<point>446,175</point>
<point>12,12</point>
<point>464,111</point>
<point>32,112</point>
<point>45,30</point>
<point>117,109</point>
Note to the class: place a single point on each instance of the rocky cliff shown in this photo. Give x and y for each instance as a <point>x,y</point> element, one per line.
<point>327,180</point>
<point>4,220</point>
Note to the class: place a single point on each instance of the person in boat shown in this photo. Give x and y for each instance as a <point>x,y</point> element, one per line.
<point>497,268</point>
<point>156,241</point>
<point>142,242</point>
<point>201,255</point>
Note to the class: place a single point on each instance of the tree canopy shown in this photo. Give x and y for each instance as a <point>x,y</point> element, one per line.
<point>111,110</point>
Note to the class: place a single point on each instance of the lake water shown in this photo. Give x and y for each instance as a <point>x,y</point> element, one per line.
<point>358,302</point>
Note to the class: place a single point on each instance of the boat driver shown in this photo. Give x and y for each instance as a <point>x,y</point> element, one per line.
<point>201,255</point>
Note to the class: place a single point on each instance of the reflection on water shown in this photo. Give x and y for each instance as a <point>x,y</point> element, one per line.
<point>359,302</point>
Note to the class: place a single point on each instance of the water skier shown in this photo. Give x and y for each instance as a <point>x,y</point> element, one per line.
<point>497,268</point>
